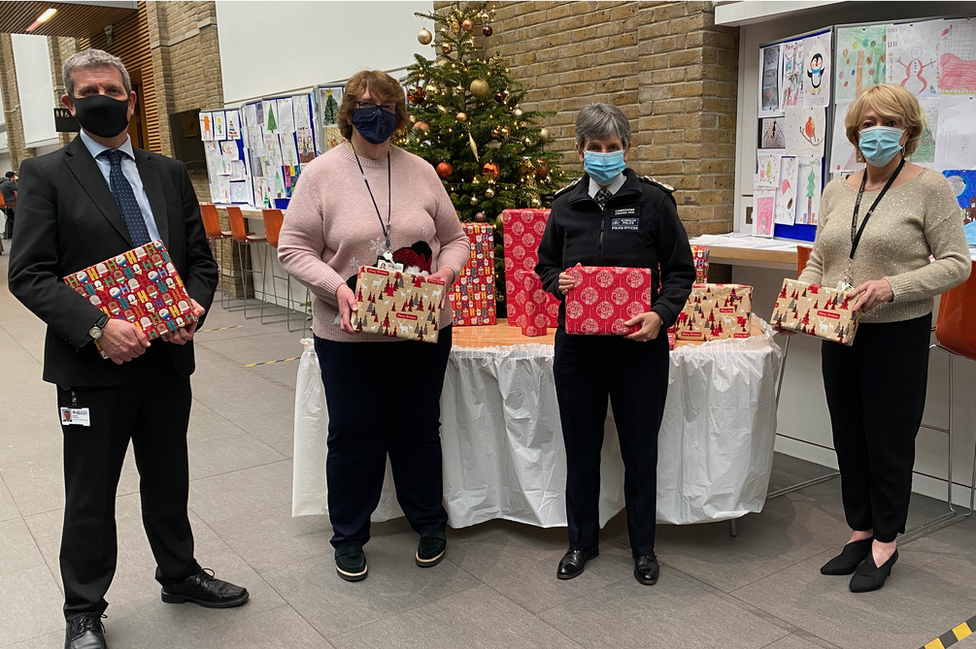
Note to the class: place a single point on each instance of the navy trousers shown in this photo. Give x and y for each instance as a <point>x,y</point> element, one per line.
<point>634,376</point>
<point>384,399</point>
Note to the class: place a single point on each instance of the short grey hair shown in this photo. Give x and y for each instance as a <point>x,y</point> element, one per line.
<point>86,59</point>
<point>600,120</point>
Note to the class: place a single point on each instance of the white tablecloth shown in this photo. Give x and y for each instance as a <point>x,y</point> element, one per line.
<point>503,449</point>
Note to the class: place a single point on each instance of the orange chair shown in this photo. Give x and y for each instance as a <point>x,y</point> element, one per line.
<point>211,225</point>
<point>243,238</point>
<point>273,220</point>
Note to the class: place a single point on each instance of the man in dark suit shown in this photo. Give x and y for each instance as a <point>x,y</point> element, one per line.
<point>8,185</point>
<point>96,198</point>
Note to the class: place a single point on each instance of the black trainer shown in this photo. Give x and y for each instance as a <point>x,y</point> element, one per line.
<point>351,562</point>
<point>431,549</point>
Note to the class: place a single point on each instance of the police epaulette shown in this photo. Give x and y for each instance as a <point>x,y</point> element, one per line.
<point>569,186</point>
<point>666,187</point>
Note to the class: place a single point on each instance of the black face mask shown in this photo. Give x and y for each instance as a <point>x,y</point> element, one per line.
<point>101,115</point>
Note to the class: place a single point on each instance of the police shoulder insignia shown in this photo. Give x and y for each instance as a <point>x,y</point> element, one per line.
<point>569,186</point>
<point>666,187</point>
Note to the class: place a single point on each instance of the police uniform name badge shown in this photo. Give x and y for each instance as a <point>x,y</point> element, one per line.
<point>625,219</point>
<point>75,417</point>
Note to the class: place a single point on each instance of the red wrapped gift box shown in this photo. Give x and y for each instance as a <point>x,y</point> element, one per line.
<point>605,297</point>
<point>473,294</point>
<point>141,286</point>
<point>534,319</point>
<point>523,231</point>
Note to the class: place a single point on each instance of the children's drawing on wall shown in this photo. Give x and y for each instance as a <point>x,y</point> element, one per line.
<point>860,60</point>
<point>792,90</point>
<point>220,125</point>
<point>786,191</point>
<point>306,145</point>
<point>957,58</point>
<point>206,127</point>
<point>767,169</point>
<point>286,115</point>
<point>270,122</point>
<point>769,62</point>
<point>233,124</point>
<point>913,56</point>
<point>925,153</point>
<point>843,157</point>
<point>963,183</point>
<point>809,182</point>
<point>772,133</point>
<point>302,108</point>
<point>331,98</point>
<point>764,199</point>
<point>806,130</point>
<point>816,79</point>
<point>289,151</point>
<point>955,146</point>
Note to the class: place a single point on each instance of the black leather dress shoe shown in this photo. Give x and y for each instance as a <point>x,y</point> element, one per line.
<point>574,561</point>
<point>206,590</point>
<point>646,569</point>
<point>85,632</point>
<point>870,576</point>
<point>849,559</point>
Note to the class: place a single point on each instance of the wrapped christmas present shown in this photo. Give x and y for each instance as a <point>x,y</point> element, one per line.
<point>397,304</point>
<point>522,232</point>
<point>606,297</point>
<point>699,255</point>
<point>534,319</point>
<point>473,294</point>
<point>715,312</point>
<point>140,286</point>
<point>816,310</point>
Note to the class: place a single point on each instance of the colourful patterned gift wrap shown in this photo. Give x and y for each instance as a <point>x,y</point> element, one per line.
<point>398,304</point>
<point>140,286</point>
<point>716,312</point>
<point>473,294</point>
<point>816,310</point>
<point>699,254</point>
<point>535,318</point>
<point>605,297</point>
<point>523,230</point>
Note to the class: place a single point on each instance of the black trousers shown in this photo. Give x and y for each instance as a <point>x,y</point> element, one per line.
<point>384,399</point>
<point>153,410</point>
<point>876,395</point>
<point>634,375</point>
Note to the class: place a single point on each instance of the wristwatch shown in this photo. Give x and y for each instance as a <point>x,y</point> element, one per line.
<point>96,331</point>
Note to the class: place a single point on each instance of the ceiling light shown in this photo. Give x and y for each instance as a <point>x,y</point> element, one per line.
<point>44,17</point>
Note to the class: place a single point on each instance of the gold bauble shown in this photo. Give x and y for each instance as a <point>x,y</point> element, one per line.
<point>467,25</point>
<point>479,88</point>
<point>424,37</point>
<point>462,117</point>
<point>421,126</point>
<point>494,144</point>
<point>517,112</point>
<point>474,200</point>
<point>432,88</point>
<point>441,109</point>
<point>544,135</point>
<point>527,141</point>
<point>535,202</point>
<point>525,165</point>
<point>490,193</point>
<point>504,131</point>
<point>447,48</point>
<point>495,132</point>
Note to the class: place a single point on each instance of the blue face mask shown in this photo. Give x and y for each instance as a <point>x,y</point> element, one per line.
<point>374,124</point>
<point>879,144</point>
<point>604,167</point>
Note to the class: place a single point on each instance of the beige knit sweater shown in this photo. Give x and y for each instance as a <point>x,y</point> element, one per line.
<point>912,222</point>
<point>331,227</point>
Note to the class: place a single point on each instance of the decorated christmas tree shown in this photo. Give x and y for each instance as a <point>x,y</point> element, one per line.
<point>468,123</point>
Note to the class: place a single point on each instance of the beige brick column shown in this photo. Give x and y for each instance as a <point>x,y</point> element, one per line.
<point>60,48</point>
<point>11,105</point>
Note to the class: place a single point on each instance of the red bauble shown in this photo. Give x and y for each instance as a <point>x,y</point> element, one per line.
<point>541,172</point>
<point>480,217</point>
<point>500,97</point>
<point>416,95</point>
<point>444,170</point>
<point>486,30</point>
<point>421,126</point>
<point>490,169</point>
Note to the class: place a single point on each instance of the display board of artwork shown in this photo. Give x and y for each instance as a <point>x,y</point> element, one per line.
<point>225,150</point>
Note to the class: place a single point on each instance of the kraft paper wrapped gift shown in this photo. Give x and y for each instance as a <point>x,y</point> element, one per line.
<point>523,230</point>
<point>535,318</point>
<point>816,310</point>
<point>605,297</point>
<point>473,294</point>
<point>716,312</point>
<point>398,304</point>
<point>140,286</point>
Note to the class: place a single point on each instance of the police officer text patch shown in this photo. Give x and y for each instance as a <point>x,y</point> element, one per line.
<point>624,223</point>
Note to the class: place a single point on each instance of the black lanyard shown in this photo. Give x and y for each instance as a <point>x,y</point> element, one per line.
<point>855,231</point>
<point>389,206</point>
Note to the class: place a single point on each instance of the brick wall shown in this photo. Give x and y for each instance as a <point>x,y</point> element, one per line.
<point>668,67</point>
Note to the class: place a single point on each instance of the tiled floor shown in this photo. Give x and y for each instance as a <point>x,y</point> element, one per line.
<point>496,588</point>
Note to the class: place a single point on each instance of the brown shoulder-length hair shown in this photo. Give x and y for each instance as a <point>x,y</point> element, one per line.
<point>383,89</point>
<point>891,102</point>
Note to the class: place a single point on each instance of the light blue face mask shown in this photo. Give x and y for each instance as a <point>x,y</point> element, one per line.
<point>604,167</point>
<point>879,144</point>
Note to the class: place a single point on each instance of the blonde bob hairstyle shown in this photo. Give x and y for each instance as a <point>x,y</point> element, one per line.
<point>889,102</point>
<point>383,89</point>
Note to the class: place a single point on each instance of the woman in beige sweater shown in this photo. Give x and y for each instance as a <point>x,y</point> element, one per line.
<point>877,231</point>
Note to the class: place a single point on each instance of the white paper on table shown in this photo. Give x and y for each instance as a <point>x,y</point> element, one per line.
<point>791,91</point>
<point>913,56</point>
<point>763,207</point>
<point>816,78</point>
<point>220,125</point>
<point>270,120</point>
<point>770,72</point>
<point>925,153</point>
<point>957,58</point>
<point>206,127</point>
<point>843,156</point>
<point>955,145</point>
<point>786,193</point>
<point>809,180</point>
<point>286,116</point>
<point>767,167</point>
<point>302,106</point>
<point>806,130</point>
<point>233,118</point>
<point>860,61</point>
<point>289,152</point>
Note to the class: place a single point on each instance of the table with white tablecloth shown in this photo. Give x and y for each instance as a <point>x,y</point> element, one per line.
<point>503,448</point>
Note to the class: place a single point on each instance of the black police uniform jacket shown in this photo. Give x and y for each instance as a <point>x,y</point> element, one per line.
<point>638,228</point>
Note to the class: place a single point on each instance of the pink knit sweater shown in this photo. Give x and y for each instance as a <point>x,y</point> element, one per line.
<point>331,227</point>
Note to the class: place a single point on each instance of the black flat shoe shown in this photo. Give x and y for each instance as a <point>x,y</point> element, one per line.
<point>206,590</point>
<point>573,562</point>
<point>869,576</point>
<point>849,559</point>
<point>646,569</point>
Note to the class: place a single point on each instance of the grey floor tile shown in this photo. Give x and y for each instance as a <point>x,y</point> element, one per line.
<point>30,605</point>
<point>278,628</point>
<point>489,620</point>
<point>233,453</point>
<point>272,345</point>
<point>272,538</point>
<point>8,509</point>
<point>48,641</point>
<point>801,640</point>
<point>955,539</point>
<point>18,551</point>
<point>669,614</point>
<point>394,584</point>
<point>35,485</point>
<point>237,493</point>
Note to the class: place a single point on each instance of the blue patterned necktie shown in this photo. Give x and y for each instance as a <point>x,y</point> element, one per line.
<point>126,199</point>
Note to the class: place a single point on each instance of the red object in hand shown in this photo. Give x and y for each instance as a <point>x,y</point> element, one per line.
<point>605,298</point>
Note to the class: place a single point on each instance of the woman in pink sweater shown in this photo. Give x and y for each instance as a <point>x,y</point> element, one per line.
<point>362,203</point>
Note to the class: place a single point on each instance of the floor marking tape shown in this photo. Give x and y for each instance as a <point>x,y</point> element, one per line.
<point>203,331</point>
<point>952,636</point>
<point>283,360</point>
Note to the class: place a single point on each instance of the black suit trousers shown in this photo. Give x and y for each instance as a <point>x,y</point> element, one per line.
<point>152,409</point>
<point>634,376</point>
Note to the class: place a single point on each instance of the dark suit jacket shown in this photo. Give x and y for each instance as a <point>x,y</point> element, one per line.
<point>67,220</point>
<point>7,188</point>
